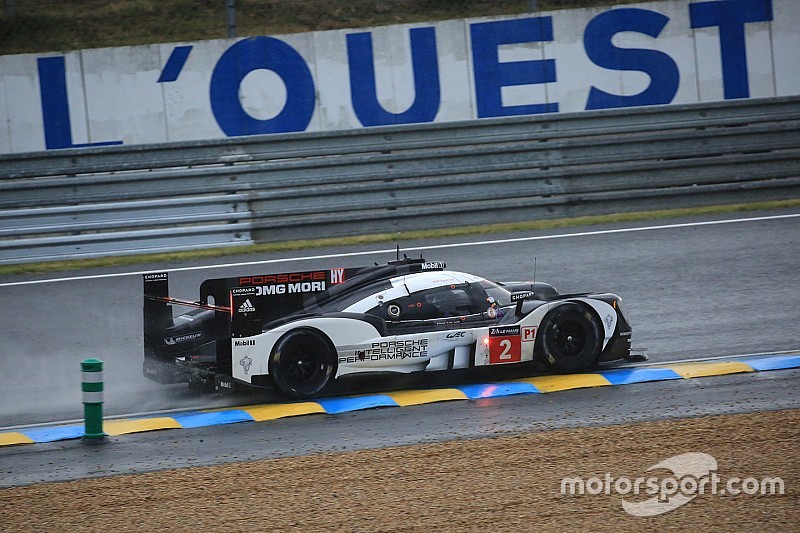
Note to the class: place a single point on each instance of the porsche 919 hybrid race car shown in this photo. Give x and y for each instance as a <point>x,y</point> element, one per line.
<point>298,331</point>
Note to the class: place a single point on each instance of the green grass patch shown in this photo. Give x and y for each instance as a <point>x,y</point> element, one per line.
<point>460,231</point>
<point>48,25</point>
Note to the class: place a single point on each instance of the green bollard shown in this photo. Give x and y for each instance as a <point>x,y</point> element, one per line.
<point>92,386</point>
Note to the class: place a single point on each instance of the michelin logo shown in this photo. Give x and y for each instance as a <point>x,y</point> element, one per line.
<point>172,341</point>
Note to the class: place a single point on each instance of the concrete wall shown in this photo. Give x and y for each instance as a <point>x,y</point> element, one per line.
<point>653,53</point>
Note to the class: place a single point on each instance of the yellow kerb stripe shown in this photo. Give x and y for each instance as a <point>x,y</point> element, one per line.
<point>698,370</point>
<point>567,381</point>
<point>9,439</point>
<point>271,412</point>
<point>417,397</point>
<point>123,427</point>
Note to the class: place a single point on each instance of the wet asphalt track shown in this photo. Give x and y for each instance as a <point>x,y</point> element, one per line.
<point>692,292</point>
<point>377,428</point>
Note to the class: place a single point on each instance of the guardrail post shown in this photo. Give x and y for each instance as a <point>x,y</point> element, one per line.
<point>92,386</point>
<point>230,15</point>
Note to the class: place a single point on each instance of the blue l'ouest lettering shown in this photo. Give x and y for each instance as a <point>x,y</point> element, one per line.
<point>491,75</point>
<point>730,16</point>
<point>363,91</point>
<point>663,72</point>
<point>261,53</point>
<point>55,105</point>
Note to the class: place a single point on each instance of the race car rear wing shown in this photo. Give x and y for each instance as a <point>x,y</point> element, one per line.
<point>236,306</point>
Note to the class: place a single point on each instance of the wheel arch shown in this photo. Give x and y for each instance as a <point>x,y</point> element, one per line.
<point>322,336</point>
<point>554,309</point>
<point>599,310</point>
<point>301,329</point>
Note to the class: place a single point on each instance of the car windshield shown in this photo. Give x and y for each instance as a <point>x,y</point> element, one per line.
<point>501,295</point>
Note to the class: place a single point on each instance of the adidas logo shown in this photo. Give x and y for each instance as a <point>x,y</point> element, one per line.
<point>247,307</point>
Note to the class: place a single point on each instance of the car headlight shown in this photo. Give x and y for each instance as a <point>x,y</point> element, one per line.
<point>622,309</point>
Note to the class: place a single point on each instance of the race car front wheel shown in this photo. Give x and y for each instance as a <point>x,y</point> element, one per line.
<point>302,363</point>
<point>570,339</point>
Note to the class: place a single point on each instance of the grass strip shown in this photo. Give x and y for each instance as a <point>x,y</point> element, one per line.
<point>459,231</point>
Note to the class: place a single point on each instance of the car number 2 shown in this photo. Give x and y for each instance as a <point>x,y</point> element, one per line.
<point>505,349</point>
<point>505,355</point>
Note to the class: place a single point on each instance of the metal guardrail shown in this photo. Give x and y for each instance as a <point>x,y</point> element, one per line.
<point>176,196</point>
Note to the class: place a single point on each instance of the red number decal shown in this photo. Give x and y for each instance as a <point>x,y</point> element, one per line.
<point>505,349</point>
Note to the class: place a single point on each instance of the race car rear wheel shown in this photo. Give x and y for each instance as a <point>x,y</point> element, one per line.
<point>302,364</point>
<point>570,339</point>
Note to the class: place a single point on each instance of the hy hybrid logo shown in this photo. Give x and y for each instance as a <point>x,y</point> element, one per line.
<point>246,307</point>
<point>691,474</point>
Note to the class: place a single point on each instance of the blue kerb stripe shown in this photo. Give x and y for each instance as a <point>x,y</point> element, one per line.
<point>174,64</point>
<point>334,406</point>
<point>496,390</point>
<point>772,362</point>
<point>54,433</point>
<point>218,418</point>
<point>619,376</point>
<point>625,376</point>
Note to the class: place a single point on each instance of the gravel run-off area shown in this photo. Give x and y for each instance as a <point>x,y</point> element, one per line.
<point>509,483</point>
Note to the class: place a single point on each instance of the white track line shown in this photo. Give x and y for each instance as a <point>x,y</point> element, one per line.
<point>146,414</point>
<point>417,248</point>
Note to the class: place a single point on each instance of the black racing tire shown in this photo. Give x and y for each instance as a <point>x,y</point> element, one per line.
<point>570,339</point>
<point>302,363</point>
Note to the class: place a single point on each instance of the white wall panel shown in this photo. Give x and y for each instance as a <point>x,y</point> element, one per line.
<point>335,110</point>
<point>758,64</point>
<point>303,43</point>
<point>455,78</point>
<point>786,47</point>
<point>576,73</point>
<point>760,74</point>
<point>5,125</point>
<point>123,100</point>
<point>22,115</point>
<point>675,41</point>
<point>186,100</point>
<point>528,94</point>
<point>77,96</point>
<point>394,77</point>
<point>708,65</point>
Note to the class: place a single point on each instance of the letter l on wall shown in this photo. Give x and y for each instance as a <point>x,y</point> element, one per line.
<point>55,105</point>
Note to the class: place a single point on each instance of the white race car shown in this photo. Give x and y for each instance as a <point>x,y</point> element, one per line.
<point>298,331</point>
